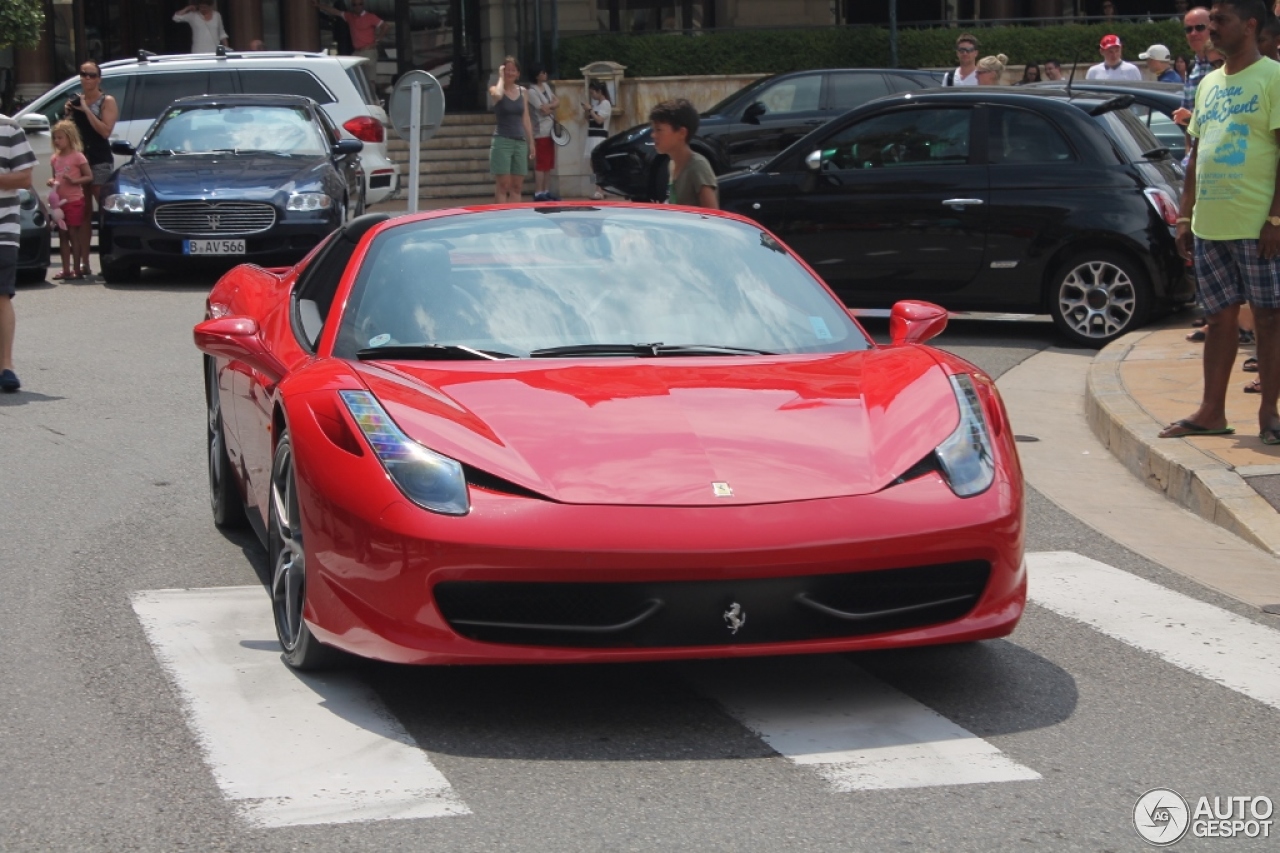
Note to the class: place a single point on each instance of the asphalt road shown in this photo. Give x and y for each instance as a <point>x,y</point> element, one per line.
<point>103,745</point>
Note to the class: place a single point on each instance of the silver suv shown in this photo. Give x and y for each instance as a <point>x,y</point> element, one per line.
<point>146,85</point>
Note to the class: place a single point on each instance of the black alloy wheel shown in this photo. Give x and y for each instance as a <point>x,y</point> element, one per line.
<point>301,650</point>
<point>1097,296</point>
<point>224,495</point>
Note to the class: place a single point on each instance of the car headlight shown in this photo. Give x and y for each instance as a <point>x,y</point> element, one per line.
<point>966,456</point>
<point>124,203</point>
<point>309,201</point>
<point>428,479</point>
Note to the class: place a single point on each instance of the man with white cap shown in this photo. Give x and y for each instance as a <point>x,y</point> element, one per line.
<point>1160,63</point>
<point>1113,66</point>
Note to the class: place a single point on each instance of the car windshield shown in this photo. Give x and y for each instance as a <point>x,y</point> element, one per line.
<point>549,282</point>
<point>208,129</point>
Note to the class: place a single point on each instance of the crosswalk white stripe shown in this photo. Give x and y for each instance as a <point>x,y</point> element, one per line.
<point>854,730</point>
<point>287,748</point>
<point>1198,637</point>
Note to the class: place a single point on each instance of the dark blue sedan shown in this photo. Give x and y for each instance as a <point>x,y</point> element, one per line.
<point>227,179</point>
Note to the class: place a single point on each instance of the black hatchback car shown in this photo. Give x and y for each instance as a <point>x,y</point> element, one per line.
<point>983,199</point>
<point>223,179</point>
<point>751,126</point>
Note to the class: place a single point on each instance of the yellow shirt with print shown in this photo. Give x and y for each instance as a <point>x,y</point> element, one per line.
<point>1235,120</point>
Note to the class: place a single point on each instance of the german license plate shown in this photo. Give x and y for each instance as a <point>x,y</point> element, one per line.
<point>213,247</point>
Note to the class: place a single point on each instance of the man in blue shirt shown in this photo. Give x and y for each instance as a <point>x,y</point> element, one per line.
<point>1160,63</point>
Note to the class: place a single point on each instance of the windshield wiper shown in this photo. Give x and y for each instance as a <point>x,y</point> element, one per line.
<point>429,352</point>
<point>160,152</point>
<point>653,350</point>
<point>239,151</point>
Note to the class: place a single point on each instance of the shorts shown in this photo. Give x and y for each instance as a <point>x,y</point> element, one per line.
<point>1229,272</point>
<point>73,212</point>
<point>8,269</point>
<point>508,157</point>
<point>544,149</point>
<point>102,173</point>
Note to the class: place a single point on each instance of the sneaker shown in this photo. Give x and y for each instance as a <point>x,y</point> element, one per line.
<point>542,196</point>
<point>9,381</point>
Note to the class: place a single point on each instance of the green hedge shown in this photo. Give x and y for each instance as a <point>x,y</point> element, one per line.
<point>776,51</point>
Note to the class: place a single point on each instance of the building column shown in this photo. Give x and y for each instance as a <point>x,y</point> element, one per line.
<point>301,26</point>
<point>33,69</point>
<point>246,22</point>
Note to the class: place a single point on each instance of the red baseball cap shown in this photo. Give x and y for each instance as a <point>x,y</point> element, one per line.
<point>1109,41</point>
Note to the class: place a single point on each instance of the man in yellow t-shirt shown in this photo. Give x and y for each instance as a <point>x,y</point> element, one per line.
<point>1230,215</point>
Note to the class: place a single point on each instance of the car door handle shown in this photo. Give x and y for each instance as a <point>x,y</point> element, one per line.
<point>961,202</point>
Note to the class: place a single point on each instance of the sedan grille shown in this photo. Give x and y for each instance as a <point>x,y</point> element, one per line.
<point>708,612</point>
<point>222,219</point>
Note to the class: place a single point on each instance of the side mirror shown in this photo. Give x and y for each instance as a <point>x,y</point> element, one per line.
<point>122,147</point>
<point>813,161</point>
<point>33,122</point>
<point>913,322</point>
<point>343,147</point>
<point>753,112</point>
<point>238,338</point>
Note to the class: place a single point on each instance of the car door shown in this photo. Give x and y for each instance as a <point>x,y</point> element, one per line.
<point>781,113</point>
<point>897,207</point>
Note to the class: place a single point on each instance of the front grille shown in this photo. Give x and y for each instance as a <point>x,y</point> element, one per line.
<point>215,219</point>
<point>693,613</point>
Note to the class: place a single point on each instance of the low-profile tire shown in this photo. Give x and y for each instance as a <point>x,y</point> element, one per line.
<point>114,273</point>
<point>1095,297</point>
<point>224,495</point>
<point>301,650</point>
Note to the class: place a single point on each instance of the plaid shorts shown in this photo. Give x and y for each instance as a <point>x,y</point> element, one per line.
<point>1229,272</point>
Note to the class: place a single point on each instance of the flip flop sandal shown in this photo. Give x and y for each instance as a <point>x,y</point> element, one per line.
<point>1270,436</point>
<point>1197,336</point>
<point>62,276</point>
<point>1254,387</point>
<point>1250,365</point>
<point>1185,428</point>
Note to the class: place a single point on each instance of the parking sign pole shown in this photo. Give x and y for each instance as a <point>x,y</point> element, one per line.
<point>415,143</point>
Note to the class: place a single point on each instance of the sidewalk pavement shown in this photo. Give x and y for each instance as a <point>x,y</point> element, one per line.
<point>1150,378</point>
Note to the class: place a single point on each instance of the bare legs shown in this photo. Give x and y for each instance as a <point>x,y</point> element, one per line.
<point>1221,342</point>
<point>507,189</point>
<point>8,324</point>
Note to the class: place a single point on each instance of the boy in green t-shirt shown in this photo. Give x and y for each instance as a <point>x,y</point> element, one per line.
<point>691,181</point>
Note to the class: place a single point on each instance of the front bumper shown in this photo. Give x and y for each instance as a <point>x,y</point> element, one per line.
<point>135,241</point>
<point>390,581</point>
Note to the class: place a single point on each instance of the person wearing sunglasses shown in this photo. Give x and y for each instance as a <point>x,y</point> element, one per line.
<point>966,74</point>
<point>94,113</point>
<point>1196,25</point>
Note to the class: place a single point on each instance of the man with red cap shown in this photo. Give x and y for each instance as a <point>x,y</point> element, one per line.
<point>1113,66</point>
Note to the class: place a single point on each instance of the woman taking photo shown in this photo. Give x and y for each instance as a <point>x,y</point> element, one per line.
<point>94,113</point>
<point>512,145</point>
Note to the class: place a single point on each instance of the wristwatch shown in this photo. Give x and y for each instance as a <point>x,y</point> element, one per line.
<point>1273,220</point>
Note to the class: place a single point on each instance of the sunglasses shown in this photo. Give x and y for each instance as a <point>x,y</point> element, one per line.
<point>966,50</point>
<point>1218,63</point>
<point>92,75</point>
<point>1195,28</point>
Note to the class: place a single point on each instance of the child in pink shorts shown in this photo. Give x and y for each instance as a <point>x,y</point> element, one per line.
<point>71,174</point>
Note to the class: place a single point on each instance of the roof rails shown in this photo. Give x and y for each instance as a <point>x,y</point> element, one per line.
<point>148,57</point>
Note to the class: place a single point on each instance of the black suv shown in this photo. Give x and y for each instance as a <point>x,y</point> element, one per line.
<point>750,126</point>
<point>983,199</point>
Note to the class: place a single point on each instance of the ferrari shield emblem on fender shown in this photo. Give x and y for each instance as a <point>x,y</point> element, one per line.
<point>735,617</point>
<point>722,490</point>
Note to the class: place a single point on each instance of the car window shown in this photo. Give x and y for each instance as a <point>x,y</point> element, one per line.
<point>1021,136</point>
<point>113,86</point>
<point>282,81</point>
<point>846,91</point>
<point>910,137</point>
<point>153,92</point>
<point>793,95</point>
<point>206,129</point>
<point>529,279</point>
<point>357,78</point>
<point>903,83</point>
<point>1128,134</point>
<point>1162,127</point>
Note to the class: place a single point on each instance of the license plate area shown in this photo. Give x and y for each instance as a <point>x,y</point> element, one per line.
<point>213,247</point>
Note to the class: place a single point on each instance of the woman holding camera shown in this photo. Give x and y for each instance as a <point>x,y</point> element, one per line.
<point>94,113</point>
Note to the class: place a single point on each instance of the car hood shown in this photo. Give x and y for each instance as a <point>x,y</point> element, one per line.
<point>260,177</point>
<point>656,432</point>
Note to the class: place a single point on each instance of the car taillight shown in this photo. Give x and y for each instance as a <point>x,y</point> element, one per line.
<point>365,128</point>
<point>1163,203</point>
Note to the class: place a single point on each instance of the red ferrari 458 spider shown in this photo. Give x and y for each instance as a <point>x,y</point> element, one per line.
<point>580,432</point>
